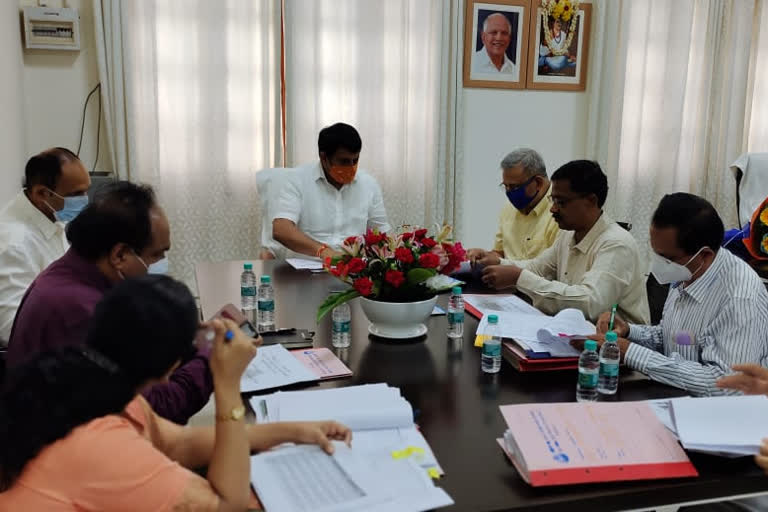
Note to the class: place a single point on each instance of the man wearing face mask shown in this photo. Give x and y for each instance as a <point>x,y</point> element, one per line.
<point>32,225</point>
<point>526,227</point>
<point>716,313</point>
<point>593,264</point>
<point>327,201</point>
<point>122,234</point>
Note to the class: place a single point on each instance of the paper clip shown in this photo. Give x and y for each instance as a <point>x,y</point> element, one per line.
<point>433,473</point>
<point>410,451</point>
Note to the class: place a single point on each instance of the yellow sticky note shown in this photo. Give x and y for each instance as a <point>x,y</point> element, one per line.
<point>433,473</point>
<point>480,338</point>
<point>400,454</point>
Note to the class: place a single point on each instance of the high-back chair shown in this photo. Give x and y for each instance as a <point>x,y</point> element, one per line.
<point>269,184</point>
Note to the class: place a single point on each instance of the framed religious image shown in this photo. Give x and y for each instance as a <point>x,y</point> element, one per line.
<point>495,43</point>
<point>559,47</point>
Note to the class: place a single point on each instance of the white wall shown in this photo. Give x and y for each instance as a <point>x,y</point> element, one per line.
<point>497,121</point>
<point>11,100</point>
<point>56,84</point>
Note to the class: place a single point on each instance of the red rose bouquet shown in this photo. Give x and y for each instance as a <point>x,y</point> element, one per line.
<point>392,268</point>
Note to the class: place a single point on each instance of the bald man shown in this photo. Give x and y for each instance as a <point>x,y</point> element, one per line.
<point>492,57</point>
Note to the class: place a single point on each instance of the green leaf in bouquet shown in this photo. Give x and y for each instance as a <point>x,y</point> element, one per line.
<point>334,300</point>
<point>419,275</point>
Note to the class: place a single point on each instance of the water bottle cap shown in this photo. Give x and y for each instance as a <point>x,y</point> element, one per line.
<point>590,345</point>
<point>248,266</point>
<point>265,279</point>
<point>611,336</point>
<point>493,319</point>
<point>456,290</point>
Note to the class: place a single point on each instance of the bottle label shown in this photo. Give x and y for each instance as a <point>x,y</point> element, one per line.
<point>247,291</point>
<point>609,369</point>
<point>587,380</point>
<point>492,349</point>
<point>266,305</point>
<point>456,317</point>
<point>341,326</point>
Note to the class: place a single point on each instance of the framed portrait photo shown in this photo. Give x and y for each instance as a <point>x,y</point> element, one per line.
<point>496,43</point>
<point>559,48</point>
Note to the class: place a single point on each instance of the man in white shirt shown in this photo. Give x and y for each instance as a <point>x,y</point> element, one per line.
<point>492,57</point>
<point>327,201</point>
<point>593,264</point>
<point>716,313</point>
<point>32,225</point>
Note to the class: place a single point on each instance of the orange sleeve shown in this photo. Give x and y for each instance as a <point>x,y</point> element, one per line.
<point>114,467</point>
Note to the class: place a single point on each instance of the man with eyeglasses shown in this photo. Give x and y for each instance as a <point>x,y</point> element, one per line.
<point>593,264</point>
<point>526,227</point>
<point>32,225</point>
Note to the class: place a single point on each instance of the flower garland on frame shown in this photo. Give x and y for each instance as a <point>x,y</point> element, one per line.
<point>563,10</point>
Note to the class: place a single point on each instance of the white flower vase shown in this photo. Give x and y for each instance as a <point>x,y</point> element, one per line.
<point>398,320</point>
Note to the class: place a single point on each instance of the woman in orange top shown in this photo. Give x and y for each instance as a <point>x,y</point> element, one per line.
<point>75,435</point>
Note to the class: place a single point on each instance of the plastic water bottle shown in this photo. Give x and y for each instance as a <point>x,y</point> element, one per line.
<point>341,320</point>
<point>266,303</point>
<point>456,314</point>
<point>248,291</point>
<point>609,365</point>
<point>490,359</point>
<point>589,370</point>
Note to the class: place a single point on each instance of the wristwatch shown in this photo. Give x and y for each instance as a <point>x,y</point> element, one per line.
<point>235,414</point>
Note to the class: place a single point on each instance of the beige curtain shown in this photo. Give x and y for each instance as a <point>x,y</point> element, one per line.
<point>389,69</point>
<point>669,100</point>
<point>193,98</point>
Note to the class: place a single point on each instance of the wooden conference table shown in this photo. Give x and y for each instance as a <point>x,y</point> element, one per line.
<point>457,406</point>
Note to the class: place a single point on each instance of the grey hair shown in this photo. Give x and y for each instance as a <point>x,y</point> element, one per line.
<point>530,159</point>
<point>485,22</point>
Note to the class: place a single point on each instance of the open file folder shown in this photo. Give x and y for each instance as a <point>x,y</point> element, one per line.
<point>304,478</point>
<point>380,418</point>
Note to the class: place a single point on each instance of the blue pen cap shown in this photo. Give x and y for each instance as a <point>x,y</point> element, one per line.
<point>611,337</point>
<point>590,345</point>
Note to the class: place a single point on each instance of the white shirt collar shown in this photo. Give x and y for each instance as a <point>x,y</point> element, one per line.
<point>486,63</point>
<point>23,209</point>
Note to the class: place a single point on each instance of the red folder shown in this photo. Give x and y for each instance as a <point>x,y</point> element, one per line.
<point>517,358</point>
<point>574,443</point>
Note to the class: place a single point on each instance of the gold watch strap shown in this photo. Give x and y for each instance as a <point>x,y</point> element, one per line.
<point>235,414</point>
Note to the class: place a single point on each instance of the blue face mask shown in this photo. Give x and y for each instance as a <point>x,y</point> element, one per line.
<point>517,196</point>
<point>72,207</point>
<point>158,267</point>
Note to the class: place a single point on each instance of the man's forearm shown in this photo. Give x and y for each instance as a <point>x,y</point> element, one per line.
<point>288,234</point>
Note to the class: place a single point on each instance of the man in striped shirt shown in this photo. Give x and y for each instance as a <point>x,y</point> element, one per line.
<point>716,314</point>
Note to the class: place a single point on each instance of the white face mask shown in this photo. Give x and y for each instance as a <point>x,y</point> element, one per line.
<point>667,272</point>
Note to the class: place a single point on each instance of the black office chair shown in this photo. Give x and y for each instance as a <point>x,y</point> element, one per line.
<point>657,296</point>
<point>2,365</point>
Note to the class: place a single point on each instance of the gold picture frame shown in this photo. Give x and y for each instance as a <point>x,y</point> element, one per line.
<point>551,64</point>
<point>502,63</point>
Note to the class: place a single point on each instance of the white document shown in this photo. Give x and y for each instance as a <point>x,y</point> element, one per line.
<point>494,303</point>
<point>724,424</point>
<point>397,439</point>
<point>540,332</point>
<point>302,264</point>
<point>274,366</point>
<point>304,478</point>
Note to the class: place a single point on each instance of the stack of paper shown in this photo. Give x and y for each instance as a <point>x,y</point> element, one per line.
<point>303,264</point>
<point>380,418</point>
<point>569,443</point>
<point>275,366</point>
<point>304,478</point>
<point>724,425</point>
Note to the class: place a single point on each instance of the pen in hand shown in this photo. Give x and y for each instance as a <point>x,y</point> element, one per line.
<point>613,315</point>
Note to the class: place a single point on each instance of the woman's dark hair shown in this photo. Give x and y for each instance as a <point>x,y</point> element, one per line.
<point>337,136</point>
<point>585,177</point>
<point>138,331</point>
<point>695,219</point>
<point>120,213</point>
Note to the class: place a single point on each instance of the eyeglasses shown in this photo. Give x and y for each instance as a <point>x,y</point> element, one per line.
<point>512,188</point>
